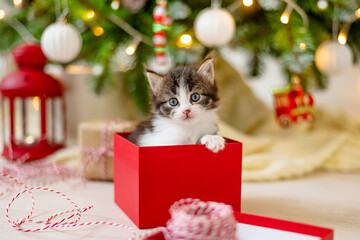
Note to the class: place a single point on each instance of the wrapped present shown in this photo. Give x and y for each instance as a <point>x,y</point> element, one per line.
<point>96,146</point>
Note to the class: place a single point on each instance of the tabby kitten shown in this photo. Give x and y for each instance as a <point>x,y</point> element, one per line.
<point>184,103</point>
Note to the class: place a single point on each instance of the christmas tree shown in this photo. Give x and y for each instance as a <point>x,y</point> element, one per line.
<point>117,35</point>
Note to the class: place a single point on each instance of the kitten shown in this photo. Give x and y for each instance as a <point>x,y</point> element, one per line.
<point>184,103</point>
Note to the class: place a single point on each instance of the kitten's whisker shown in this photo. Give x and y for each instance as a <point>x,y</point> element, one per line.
<point>183,70</point>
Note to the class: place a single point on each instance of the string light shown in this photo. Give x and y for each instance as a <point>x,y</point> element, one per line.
<point>2,14</point>
<point>90,14</point>
<point>342,38</point>
<point>284,19</point>
<point>322,4</point>
<point>17,3</point>
<point>30,139</point>
<point>285,16</point>
<point>98,31</point>
<point>302,46</point>
<point>36,103</point>
<point>185,41</point>
<point>357,13</point>
<point>248,3</point>
<point>115,4</point>
<point>130,50</point>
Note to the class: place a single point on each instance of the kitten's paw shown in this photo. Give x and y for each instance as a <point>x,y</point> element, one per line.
<point>214,143</point>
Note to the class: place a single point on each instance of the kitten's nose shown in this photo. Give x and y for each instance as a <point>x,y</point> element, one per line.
<point>186,112</point>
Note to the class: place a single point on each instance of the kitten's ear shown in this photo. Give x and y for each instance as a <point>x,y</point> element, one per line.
<point>154,79</point>
<point>207,68</point>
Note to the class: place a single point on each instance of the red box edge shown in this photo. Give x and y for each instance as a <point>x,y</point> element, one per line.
<point>121,137</point>
<point>324,233</point>
<point>306,229</point>
<point>125,134</point>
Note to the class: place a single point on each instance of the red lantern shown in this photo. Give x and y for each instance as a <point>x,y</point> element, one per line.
<point>33,108</point>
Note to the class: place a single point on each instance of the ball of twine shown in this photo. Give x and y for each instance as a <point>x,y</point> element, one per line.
<point>193,219</point>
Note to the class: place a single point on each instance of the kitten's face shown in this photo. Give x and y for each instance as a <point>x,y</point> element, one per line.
<point>185,93</point>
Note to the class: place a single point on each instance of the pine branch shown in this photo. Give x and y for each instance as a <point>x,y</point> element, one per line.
<point>129,29</point>
<point>256,65</point>
<point>119,22</point>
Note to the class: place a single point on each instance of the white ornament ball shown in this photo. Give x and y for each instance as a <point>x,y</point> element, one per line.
<point>331,57</point>
<point>214,27</point>
<point>269,5</point>
<point>7,65</point>
<point>61,42</point>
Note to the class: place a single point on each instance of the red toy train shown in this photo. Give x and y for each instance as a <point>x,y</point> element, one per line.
<point>293,104</point>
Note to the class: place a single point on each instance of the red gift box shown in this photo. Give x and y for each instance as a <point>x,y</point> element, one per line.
<point>252,227</point>
<point>148,180</point>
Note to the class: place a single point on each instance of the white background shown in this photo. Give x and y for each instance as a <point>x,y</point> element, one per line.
<point>342,92</point>
<point>251,232</point>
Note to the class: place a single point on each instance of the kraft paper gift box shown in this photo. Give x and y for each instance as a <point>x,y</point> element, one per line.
<point>251,227</point>
<point>96,144</point>
<point>148,180</point>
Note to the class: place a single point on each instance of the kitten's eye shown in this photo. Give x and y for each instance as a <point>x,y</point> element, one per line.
<point>173,102</point>
<point>195,97</point>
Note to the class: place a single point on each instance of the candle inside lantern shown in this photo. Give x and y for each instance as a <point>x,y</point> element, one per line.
<point>19,112</point>
<point>32,119</point>
<point>29,139</point>
<point>36,103</point>
<point>58,121</point>
<point>6,121</point>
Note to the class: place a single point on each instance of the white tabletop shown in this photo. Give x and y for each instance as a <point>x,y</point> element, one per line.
<point>325,199</point>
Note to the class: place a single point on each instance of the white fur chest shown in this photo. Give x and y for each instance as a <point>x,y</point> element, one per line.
<point>168,132</point>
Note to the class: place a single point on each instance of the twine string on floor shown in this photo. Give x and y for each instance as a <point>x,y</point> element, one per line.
<point>191,219</point>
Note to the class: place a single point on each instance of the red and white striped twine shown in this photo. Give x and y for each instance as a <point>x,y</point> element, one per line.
<point>67,222</point>
<point>191,219</point>
<point>40,172</point>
